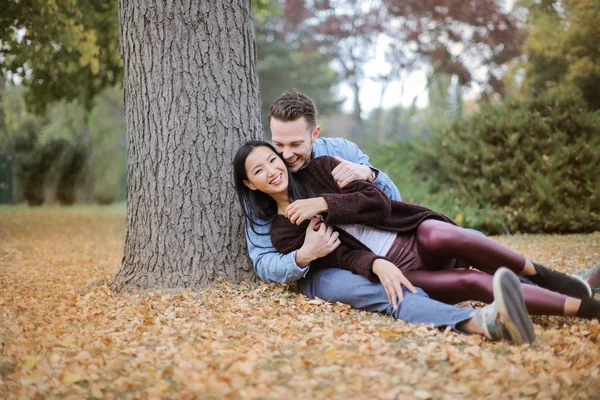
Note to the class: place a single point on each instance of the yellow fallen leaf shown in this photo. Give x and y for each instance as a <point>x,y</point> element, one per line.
<point>96,392</point>
<point>331,354</point>
<point>31,361</point>
<point>72,377</point>
<point>162,386</point>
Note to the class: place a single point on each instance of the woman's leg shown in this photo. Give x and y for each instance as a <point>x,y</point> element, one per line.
<point>455,286</point>
<point>438,241</point>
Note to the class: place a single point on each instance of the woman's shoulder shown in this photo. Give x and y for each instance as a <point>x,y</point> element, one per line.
<point>323,162</point>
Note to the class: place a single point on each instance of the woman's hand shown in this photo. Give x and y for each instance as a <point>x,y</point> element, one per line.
<point>320,240</point>
<point>391,278</point>
<point>301,210</point>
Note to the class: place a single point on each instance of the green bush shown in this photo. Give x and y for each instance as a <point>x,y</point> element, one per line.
<point>529,166</point>
<point>400,160</point>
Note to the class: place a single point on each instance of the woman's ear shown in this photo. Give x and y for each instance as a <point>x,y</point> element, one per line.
<point>249,185</point>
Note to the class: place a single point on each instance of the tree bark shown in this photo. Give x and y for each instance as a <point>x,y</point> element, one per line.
<point>191,99</point>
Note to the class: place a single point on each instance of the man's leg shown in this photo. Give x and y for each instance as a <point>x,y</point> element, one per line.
<point>334,284</point>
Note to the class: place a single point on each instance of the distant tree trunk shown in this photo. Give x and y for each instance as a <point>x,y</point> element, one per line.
<point>358,128</point>
<point>191,98</point>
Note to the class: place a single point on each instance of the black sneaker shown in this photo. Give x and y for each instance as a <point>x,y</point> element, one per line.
<point>572,286</point>
<point>506,317</point>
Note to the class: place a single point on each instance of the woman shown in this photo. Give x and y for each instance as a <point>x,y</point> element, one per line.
<point>380,238</point>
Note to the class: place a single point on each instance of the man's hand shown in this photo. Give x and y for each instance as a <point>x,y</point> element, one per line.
<point>301,210</point>
<point>391,278</point>
<point>317,243</point>
<point>347,172</point>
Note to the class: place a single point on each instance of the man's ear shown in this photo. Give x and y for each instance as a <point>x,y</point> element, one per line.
<point>315,133</point>
<point>249,185</point>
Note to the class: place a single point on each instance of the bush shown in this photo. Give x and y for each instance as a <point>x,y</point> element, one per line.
<point>400,160</point>
<point>530,166</point>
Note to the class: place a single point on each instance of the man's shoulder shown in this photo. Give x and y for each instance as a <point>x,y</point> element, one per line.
<point>334,146</point>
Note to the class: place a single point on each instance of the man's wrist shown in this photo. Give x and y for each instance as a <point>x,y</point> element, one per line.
<point>302,260</point>
<point>372,176</point>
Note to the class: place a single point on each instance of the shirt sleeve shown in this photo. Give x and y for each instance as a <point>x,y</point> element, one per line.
<point>352,153</point>
<point>269,264</point>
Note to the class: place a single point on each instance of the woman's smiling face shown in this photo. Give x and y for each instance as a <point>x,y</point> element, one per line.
<point>266,171</point>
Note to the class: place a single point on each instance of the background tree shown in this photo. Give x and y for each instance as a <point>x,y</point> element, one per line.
<point>472,39</point>
<point>107,153</point>
<point>283,63</point>
<point>191,99</point>
<point>562,47</point>
<point>60,49</point>
<point>344,30</point>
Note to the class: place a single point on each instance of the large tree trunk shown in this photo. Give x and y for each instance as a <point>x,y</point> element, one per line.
<point>191,99</point>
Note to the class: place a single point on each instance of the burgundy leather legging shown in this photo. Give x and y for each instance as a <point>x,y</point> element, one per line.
<point>439,242</point>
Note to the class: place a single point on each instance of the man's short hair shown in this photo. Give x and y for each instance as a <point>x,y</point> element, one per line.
<point>292,105</point>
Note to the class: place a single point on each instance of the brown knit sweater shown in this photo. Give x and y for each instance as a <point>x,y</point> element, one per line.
<point>360,202</point>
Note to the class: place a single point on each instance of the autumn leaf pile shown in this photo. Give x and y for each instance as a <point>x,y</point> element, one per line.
<point>64,334</point>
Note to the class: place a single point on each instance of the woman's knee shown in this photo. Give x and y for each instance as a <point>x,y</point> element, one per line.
<point>434,236</point>
<point>478,283</point>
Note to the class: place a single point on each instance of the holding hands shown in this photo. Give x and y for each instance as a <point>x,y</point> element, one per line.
<point>391,278</point>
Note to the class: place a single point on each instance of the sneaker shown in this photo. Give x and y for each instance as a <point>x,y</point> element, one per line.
<point>570,285</point>
<point>506,317</point>
<point>591,276</point>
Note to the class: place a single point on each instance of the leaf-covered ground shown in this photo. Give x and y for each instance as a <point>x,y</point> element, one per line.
<point>63,333</point>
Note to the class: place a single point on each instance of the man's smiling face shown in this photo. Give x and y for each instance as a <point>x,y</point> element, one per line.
<point>294,140</point>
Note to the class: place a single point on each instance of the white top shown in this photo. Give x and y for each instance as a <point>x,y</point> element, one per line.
<point>377,240</point>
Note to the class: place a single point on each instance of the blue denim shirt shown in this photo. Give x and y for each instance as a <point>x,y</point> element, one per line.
<point>272,266</point>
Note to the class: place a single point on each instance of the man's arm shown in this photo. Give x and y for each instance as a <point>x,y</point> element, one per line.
<point>269,264</point>
<point>349,151</point>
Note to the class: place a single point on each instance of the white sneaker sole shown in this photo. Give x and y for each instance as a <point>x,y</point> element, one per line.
<point>508,296</point>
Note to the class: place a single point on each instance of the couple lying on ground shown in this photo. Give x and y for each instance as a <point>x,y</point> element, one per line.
<point>328,223</point>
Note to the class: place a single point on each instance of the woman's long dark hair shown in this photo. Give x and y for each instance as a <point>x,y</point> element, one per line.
<point>256,205</point>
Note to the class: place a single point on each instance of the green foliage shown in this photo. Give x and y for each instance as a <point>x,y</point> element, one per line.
<point>531,165</point>
<point>400,160</point>
<point>62,154</point>
<point>61,49</point>
<point>107,150</point>
<point>65,130</point>
<point>283,64</point>
<point>562,47</point>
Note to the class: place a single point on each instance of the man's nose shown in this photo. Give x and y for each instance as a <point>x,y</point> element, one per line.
<point>287,153</point>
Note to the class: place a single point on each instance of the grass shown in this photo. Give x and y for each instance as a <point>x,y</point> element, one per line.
<point>114,208</point>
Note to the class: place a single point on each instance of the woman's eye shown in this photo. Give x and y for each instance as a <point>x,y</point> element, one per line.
<point>272,160</point>
<point>258,171</point>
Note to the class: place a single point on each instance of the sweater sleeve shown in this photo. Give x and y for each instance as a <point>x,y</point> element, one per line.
<point>360,202</point>
<point>350,254</point>
<point>285,236</point>
<point>357,260</point>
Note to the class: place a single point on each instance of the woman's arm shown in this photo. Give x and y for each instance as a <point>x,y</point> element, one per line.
<point>347,253</point>
<point>359,202</point>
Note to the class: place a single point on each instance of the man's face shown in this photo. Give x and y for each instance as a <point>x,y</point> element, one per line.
<point>294,140</point>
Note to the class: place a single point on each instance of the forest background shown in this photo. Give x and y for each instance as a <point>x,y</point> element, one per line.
<point>508,140</point>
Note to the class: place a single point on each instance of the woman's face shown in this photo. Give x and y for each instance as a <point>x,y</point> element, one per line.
<point>266,171</point>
